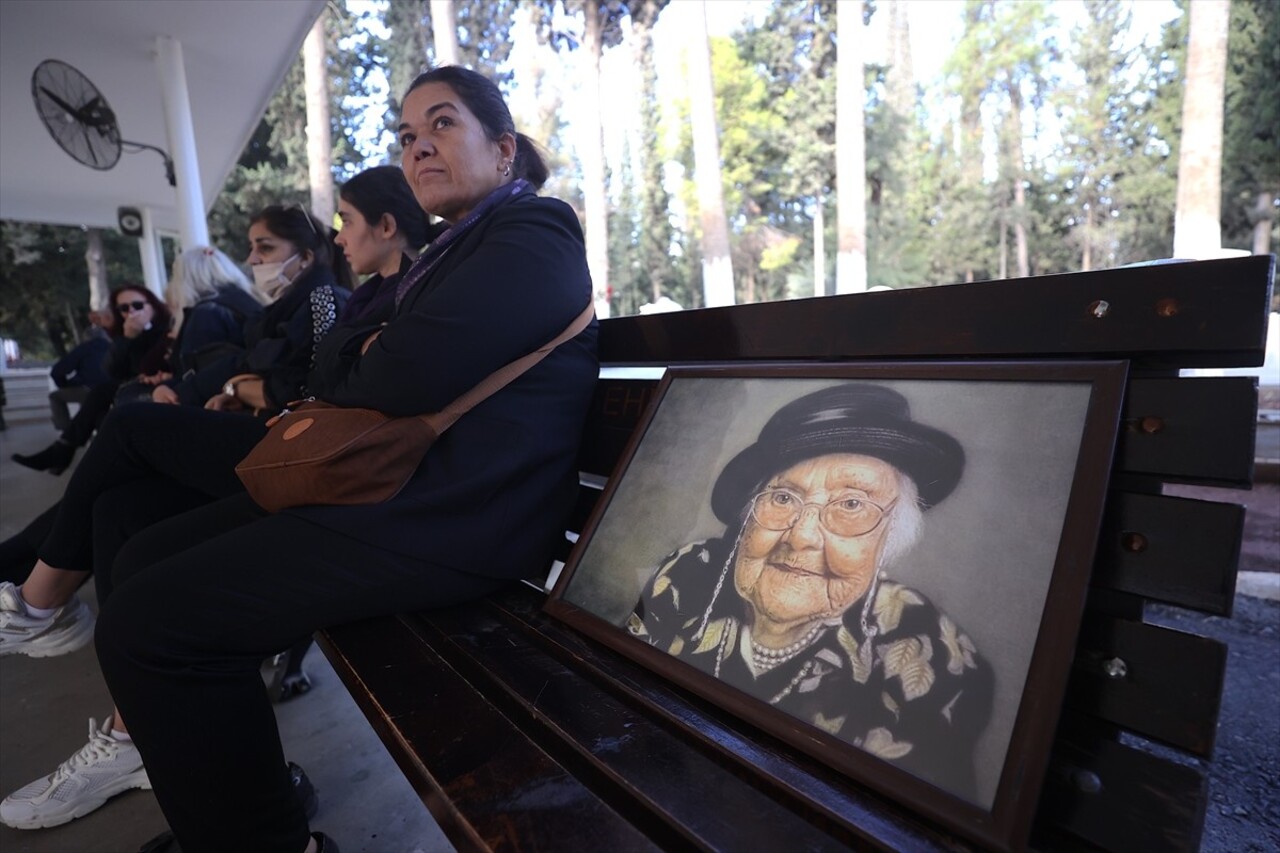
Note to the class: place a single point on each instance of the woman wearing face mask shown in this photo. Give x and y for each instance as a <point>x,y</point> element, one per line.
<point>146,466</point>
<point>139,344</point>
<point>383,229</point>
<point>296,268</point>
<point>211,300</point>
<point>202,597</point>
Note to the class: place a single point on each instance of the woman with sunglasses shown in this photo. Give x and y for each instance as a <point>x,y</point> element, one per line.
<point>201,598</point>
<point>147,465</point>
<point>139,347</point>
<point>383,227</point>
<point>308,282</point>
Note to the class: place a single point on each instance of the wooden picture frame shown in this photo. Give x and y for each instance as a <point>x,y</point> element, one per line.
<point>917,652</point>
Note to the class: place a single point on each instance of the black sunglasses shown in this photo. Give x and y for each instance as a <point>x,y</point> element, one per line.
<point>126,307</point>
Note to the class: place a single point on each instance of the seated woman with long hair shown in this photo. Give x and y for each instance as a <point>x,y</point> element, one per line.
<point>148,469</point>
<point>212,301</point>
<point>139,347</point>
<point>306,282</point>
<point>203,597</point>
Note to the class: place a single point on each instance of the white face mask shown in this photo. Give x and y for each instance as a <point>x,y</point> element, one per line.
<point>270,278</point>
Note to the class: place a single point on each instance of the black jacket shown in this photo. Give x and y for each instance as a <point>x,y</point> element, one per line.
<point>492,495</point>
<point>279,343</point>
<point>143,355</point>
<point>212,327</point>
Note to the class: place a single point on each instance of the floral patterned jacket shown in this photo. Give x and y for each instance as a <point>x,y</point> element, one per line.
<point>917,695</point>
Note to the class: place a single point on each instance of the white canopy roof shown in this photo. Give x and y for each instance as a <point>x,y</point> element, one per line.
<point>236,54</point>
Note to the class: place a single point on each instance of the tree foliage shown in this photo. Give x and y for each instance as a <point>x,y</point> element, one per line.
<point>273,167</point>
<point>44,298</point>
<point>1251,136</point>
<point>1067,139</point>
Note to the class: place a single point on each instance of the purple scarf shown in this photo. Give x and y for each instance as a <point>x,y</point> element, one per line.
<point>431,256</point>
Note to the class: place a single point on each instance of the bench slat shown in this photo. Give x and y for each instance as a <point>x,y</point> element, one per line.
<point>615,411</point>
<point>488,787</point>
<point>619,717</point>
<point>1206,314</point>
<point>1170,689</point>
<point>1174,550</point>
<point>519,732</point>
<point>1121,798</point>
<point>1197,430</point>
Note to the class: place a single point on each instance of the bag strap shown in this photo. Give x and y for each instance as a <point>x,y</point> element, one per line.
<point>500,378</point>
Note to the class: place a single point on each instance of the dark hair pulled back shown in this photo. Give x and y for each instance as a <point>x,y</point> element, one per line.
<point>292,223</point>
<point>487,104</point>
<point>383,191</point>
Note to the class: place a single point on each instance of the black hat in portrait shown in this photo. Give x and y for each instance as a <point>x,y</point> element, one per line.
<point>855,417</point>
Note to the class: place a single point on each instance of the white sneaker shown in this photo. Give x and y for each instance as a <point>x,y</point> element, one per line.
<point>69,628</point>
<point>101,769</point>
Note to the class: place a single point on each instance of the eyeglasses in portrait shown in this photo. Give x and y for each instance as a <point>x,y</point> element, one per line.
<point>889,555</point>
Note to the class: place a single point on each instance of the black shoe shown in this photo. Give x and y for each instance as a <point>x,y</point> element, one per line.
<point>305,790</point>
<point>55,458</point>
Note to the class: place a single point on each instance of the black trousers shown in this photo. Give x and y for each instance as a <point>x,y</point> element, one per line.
<point>149,462</point>
<point>93,408</point>
<point>59,404</point>
<point>200,599</point>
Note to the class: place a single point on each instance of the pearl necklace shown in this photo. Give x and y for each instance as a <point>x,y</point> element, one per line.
<point>765,658</point>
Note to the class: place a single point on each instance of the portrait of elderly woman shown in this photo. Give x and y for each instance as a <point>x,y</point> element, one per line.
<point>878,553</point>
<point>796,604</point>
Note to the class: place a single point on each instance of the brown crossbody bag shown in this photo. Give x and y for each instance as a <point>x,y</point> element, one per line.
<point>318,453</point>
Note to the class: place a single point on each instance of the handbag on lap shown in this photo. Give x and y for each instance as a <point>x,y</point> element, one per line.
<point>318,453</point>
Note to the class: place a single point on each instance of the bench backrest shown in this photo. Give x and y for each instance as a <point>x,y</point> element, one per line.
<point>1104,785</point>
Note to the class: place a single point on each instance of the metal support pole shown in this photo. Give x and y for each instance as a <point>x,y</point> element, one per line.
<point>153,272</point>
<point>182,142</point>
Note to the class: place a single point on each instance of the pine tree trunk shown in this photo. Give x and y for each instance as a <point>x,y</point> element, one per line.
<point>1264,216</point>
<point>1197,227</point>
<point>717,267</point>
<point>655,236</point>
<point>851,154</point>
<point>96,261</point>
<point>591,154</point>
<point>319,139</point>
<point>1019,182</point>
<point>1086,257</point>
<point>444,32</point>
<point>899,79</point>
<point>819,248</point>
<point>1004,247</point>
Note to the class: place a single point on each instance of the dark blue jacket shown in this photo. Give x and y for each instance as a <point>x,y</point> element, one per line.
<point>280,342</point>
<point>492,494</point>
<point>84,365</point>
<point>215,323</point>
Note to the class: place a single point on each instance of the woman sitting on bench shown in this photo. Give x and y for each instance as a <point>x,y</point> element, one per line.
<point>143,470</point>
<point>202,598</point>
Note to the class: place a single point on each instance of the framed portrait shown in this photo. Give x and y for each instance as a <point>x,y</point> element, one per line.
<point>883,565</point>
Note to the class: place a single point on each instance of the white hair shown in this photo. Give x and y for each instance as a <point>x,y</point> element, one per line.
<point>905,523</point>
<point>199,273</point>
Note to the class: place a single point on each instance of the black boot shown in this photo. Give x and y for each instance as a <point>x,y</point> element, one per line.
<point>55,458</point>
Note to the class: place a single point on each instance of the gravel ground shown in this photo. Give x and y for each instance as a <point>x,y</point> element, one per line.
<point>1244,778</point>
<point>1244,808</point>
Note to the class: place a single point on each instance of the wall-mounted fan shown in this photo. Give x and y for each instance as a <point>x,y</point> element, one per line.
<point>79,118</point>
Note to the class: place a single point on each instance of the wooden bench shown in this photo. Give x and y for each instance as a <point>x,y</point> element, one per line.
<point>519,733</point>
